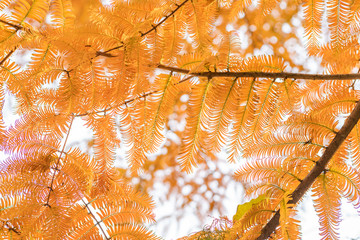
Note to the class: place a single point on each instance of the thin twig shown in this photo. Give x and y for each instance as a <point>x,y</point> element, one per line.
<point>274,75</point>
<point>6,57</point>
<point>17,27</point>
<point>129,100</point>
<point>165,18</point>
<point>10,228</point>
<point>57,163</point>
<point>317,170</point>
<point>153,28</point>
<point>97,222</point>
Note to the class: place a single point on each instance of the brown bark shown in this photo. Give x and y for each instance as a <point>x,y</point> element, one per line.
<point>304,76</point>
<point>317,170</point>
<point>330,150</point>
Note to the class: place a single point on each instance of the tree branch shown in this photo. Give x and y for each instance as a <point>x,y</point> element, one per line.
<point>317,170</point>
<point>165,18</point>
<point>10,228</point>
<point>17,27</point>
<point>129,100</point>
<point>57,164</point>
<point>6,57</point>
<point>97,223</point>
<point>305,76</point>
<point>153,28</point>
<point>106,52</point>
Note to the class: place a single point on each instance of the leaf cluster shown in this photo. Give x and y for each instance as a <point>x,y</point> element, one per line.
<point>122,66</point>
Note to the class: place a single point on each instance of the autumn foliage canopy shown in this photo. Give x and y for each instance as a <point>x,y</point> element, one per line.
<point>268,86</point>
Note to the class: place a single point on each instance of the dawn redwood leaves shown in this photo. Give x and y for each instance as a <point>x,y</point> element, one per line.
<point>140,74</point>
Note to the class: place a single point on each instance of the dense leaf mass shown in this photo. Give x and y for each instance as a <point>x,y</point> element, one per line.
<point>135,72</point>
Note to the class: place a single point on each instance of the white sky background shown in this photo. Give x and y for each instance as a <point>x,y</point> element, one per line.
<point>349,227</point>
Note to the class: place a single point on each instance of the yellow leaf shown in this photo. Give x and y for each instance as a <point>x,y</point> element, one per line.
<point>242,209</point>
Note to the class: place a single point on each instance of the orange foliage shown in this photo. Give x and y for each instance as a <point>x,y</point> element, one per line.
<point>125,68</point>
